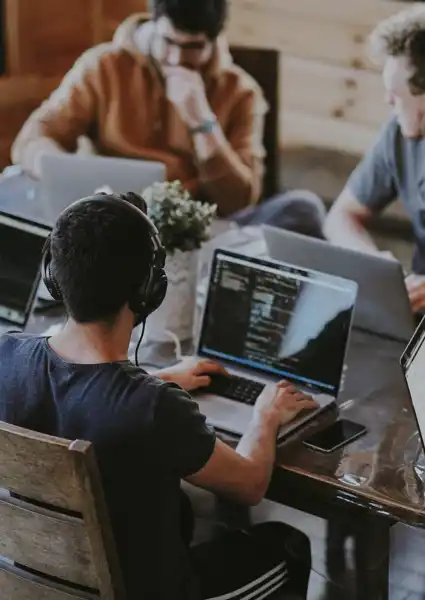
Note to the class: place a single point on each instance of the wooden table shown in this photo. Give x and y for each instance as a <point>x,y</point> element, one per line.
<point>362,489</point>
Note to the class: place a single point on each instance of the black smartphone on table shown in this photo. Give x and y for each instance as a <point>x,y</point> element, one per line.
<point>339,434</point>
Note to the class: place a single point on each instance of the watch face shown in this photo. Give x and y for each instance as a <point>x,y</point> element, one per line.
<point>206,127</point>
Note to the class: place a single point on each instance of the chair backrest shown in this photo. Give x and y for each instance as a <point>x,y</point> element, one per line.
<point>263,66</point>
<point>55,538</point>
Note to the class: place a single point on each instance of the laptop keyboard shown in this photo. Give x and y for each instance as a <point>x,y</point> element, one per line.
<point>240,389</point>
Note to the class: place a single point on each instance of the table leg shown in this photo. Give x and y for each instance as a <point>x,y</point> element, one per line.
<point>372,557</point>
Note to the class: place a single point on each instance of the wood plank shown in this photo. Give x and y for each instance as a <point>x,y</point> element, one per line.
<point>324,90</point>
<point>301,129</point>
<point>47,36</point>
<point>16,584</point>
<point>46,541</point>
<point>361,12</point>
<point>307,29</point>
<point>38,470</point>
<point>114,13</point>
<point>25,89</point>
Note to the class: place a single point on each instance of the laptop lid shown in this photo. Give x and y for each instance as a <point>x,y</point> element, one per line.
<point>21,244</point>
<point>382,305</point>
<point>276,319</point>
<point>68,177</point>
<point>412,362</point>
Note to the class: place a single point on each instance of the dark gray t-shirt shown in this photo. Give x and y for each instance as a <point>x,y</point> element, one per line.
<point>395,168</point>
<point>147,435</point>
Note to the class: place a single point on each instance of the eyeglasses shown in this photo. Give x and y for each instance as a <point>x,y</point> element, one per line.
<point>194,46</point>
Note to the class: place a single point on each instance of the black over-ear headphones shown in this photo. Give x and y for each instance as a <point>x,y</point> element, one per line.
<point>151,292</point>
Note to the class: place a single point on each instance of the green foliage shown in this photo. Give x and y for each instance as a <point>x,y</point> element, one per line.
<point>183,223</point>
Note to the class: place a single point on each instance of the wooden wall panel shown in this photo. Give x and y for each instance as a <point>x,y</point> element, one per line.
<point>331,95</point>
<point>114,12</point>
<point>45,37</point>
<point>334,31</point>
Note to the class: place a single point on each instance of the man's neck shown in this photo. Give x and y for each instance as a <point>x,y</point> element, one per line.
<point>92,343</point>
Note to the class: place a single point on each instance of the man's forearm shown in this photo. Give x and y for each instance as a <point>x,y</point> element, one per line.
<point>259,445</point>
<point>345,230</point>
<point>227,180</point>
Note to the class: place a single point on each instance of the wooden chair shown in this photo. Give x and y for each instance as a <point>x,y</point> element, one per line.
<point>54,524</point>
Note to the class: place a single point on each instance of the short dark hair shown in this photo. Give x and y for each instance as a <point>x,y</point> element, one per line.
<point>193,16</point>
<point>99,258</point>
<point>403,34</point>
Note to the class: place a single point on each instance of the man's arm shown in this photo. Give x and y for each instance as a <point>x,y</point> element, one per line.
<point>232,168</point>
<point>346,223</point>
<point>369,190</point>
<point>244,475</point>
<point>230,163</point>
<point>62,118</point>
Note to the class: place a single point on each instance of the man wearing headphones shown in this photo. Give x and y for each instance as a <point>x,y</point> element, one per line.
<point>105,261</point>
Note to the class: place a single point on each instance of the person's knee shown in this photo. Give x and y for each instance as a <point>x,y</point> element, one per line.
<point>300,211</point>
<point>281,536</point>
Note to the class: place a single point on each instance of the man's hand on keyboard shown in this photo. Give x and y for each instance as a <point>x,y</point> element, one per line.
<point>192,374</point>
<point>282,402</point>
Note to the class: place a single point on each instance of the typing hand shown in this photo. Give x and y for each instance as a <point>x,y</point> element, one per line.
<point>282,402</point>
<point>186,91</point>
<point>193,374</point>
<point>415,285</point>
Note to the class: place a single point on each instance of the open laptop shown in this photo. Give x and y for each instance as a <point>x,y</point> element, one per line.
<point>21,244</point>
<point>68,177</point>
<point>267,321</point>
<point>382,305</point>
<point>412,362</point>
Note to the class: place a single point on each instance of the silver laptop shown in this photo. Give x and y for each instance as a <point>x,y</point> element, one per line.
<point>68,177</point>
<point>413,365</point>
<point>382,305</point>
<point>21,244</point>
<point>267,321</point>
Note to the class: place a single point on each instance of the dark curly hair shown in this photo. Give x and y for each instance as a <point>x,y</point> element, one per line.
<point>403,34</point>
<point>193,16</point>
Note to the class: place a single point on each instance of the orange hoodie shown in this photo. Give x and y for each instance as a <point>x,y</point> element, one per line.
<point>115,95</point>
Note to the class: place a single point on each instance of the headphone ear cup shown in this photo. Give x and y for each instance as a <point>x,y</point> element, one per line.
<point>150,295</point>
<point>46,272</point>
<point>157,292</point>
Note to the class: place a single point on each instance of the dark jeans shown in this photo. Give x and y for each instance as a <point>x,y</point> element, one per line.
<point>267,560</point>
<point>298,210</point>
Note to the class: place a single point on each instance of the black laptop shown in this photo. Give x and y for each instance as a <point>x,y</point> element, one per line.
<point>21,245</point>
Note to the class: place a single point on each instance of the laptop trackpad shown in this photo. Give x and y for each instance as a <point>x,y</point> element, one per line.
<point>225,414</point>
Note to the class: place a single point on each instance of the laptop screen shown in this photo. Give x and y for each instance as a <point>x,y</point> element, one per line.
<point>278,320</point>
<point>413,365</point>
<point>21,245</point>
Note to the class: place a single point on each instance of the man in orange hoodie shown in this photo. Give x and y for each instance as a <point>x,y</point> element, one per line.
<point>167,90</point>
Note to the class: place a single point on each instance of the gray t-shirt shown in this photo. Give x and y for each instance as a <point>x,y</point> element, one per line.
<point>395,168</point>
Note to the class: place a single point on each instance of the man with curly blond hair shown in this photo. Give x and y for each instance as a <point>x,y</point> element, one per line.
<point>395,166</point>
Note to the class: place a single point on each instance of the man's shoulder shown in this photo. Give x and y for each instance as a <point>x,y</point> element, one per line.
<point>236,80</point>
<point>107,55</point>
<point>15,339</point>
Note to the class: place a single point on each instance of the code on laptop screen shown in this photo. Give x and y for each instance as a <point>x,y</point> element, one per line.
<point>278,319</point>
<point>21,246</point>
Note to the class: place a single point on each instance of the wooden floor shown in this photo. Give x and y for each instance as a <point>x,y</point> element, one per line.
<point>407,553</point>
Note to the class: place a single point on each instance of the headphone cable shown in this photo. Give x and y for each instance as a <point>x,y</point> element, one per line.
<point>139,342</point>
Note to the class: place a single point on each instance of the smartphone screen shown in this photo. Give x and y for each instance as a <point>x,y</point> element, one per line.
<point>338,434</point>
